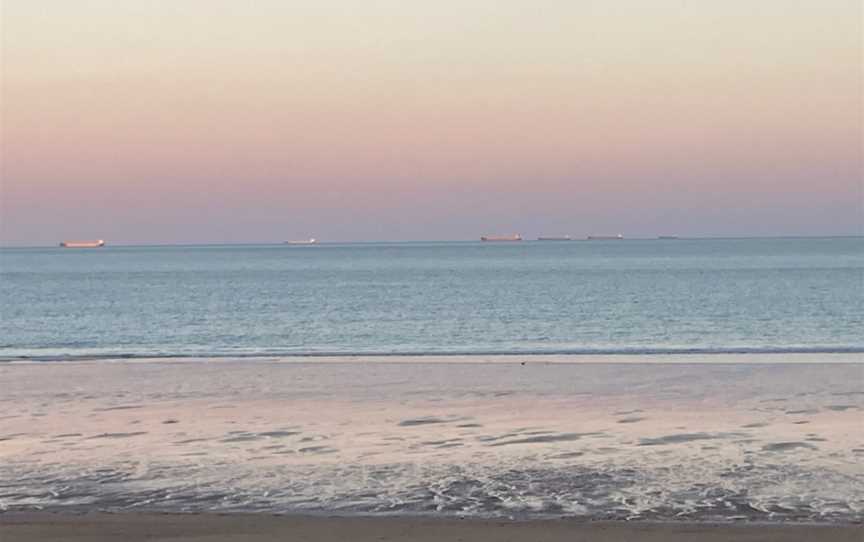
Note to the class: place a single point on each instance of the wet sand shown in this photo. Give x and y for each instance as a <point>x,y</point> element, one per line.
<point>37,527</point>
<point>768,442</point>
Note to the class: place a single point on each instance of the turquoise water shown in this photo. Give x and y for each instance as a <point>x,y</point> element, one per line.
<point>647,296</point>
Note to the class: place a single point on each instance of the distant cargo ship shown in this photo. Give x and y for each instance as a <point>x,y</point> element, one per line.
<point>516,237</point>
<point>555,238</point>
<point>83,244</point>
<point>667,237</point>
<point>310,241</point>
<point>605,237</point>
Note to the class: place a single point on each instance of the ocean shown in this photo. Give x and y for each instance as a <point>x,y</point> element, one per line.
<point>577,297</point>
<point>698,380</point>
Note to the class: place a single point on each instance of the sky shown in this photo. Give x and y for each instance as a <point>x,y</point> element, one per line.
<point>187,121</point>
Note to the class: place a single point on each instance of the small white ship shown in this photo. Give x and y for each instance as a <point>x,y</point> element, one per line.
<point>496,238</point>
<point>310,241</point>
<point>83,244</point>
<point>555,238</point>
<point>605,237</point>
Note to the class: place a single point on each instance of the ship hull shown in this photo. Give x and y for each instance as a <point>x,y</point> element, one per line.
<point>83,244</point>
<point>492,239</point>
<point>303,242</point>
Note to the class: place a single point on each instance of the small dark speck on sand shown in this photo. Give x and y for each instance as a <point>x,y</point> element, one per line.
<point>118,407</point>
<point>631,419</point>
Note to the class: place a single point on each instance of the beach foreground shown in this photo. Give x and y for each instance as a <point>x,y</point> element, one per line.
<point>34,527</point>
<point>713,442</point>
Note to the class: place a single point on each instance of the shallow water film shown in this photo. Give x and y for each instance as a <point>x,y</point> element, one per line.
<point>737,437</point>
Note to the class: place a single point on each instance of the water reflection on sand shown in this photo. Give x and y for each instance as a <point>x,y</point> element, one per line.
<point>718,440</point>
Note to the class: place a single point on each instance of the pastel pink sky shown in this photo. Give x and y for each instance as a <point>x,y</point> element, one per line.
<point>227,121</point>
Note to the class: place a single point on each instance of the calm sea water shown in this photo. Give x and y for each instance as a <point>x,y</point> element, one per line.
<point>658,296</point>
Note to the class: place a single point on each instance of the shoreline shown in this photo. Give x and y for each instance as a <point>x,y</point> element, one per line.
<point>155,527</point>
<point>672,358</point>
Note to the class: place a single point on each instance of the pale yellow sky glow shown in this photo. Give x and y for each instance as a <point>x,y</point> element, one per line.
<point>186,121</point>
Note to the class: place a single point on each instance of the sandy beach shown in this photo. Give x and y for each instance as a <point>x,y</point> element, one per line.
<point>537,441</point>
<point>37,527</point>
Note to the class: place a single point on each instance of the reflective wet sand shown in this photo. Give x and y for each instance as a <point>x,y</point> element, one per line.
<point>757,439</point>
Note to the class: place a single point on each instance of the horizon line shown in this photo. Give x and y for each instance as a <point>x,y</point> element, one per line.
<point>477,240</point>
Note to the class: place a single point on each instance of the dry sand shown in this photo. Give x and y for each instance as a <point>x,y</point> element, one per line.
<point>33,527</point>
